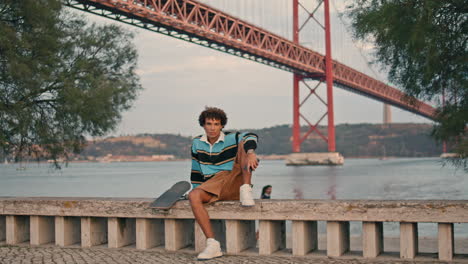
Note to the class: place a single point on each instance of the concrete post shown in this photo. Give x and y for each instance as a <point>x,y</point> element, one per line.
<point>42,230</point>
<point>17,229</point>
<point>2,228</point>
<point>67,230</point>
<point>446,241</point>
<point>337,238</point>
<point>219,230</point>
<point>149,233</point>
<point>93,231</point>
<point>121,232</point>
<point>372,239</point>
<point>240,235</point>
<point>178,233</point>
<point>408,240</point>
<point>304,237</point>
<point>272,236</point>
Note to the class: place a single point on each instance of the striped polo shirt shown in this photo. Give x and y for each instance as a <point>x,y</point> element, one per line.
<point>209,159</point>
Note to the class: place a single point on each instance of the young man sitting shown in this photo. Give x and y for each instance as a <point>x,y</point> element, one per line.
<point>222,165</point>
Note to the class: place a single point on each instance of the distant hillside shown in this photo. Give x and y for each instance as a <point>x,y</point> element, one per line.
<point>141,145</point>
<point>352,140</point>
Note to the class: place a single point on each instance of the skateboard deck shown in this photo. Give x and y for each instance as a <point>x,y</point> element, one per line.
<point>171,196</point>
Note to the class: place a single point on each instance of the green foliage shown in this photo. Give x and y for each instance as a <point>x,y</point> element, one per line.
<point>452,130</point>
<point>61,79</point>
<point>423,45</point>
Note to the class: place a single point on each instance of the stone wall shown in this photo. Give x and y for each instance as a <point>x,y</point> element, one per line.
<point>120,222</point>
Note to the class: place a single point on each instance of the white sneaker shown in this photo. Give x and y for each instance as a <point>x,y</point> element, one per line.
<point>212,250</point>
<point>246,198</point>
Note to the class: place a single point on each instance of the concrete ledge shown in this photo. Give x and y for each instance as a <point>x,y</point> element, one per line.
<point>432,211</point>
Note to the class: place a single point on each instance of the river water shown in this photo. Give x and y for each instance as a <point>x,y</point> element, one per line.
<point>391,179</point>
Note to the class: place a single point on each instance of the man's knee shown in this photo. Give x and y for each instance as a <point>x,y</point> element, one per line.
<point>199,196</point>
<point>195,196</point>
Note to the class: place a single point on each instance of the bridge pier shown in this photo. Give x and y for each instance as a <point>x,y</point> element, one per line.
<point>318,158</point>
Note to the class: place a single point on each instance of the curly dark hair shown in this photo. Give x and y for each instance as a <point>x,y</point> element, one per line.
<point>212,113</point>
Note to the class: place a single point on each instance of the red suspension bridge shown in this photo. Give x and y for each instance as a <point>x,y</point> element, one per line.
<point>201,24</point>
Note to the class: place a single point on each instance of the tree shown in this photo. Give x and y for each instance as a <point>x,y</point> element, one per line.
<point>61,79</point>
<point>423,46</point>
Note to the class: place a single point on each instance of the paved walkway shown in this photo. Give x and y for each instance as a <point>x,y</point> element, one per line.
<point>70,255</point>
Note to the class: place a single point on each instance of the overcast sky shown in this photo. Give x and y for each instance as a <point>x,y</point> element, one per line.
<point>180,78</point>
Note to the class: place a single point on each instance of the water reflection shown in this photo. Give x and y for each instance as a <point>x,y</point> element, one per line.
<point>314,182</point>
<point>331,193</point>
<point>298,193</point>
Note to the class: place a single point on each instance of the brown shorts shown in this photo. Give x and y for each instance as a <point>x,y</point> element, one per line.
<point>225,185</point>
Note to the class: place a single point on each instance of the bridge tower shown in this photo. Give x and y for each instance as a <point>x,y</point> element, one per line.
<point>387,114</point>
<point>330,158</point>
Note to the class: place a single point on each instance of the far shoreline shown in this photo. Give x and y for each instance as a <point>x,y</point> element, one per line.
<point>148,159</point>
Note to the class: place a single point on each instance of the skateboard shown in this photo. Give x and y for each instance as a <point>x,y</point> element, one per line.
<point>171,196</point>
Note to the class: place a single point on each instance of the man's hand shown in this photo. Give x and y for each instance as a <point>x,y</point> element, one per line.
<point>252,161</point>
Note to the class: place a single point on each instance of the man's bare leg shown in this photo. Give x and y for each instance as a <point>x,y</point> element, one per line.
<point>246,198</point>
<point>246,175</point>
<point>197,198</point>
<point>246,172</point>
